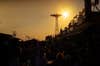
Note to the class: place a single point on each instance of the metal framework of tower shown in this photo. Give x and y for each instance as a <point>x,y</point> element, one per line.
<point>56,22</point>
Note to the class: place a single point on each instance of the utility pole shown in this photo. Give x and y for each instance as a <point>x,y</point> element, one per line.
<point>87,8</point>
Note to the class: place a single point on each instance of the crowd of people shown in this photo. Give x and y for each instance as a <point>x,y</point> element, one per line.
<point>57,52</point>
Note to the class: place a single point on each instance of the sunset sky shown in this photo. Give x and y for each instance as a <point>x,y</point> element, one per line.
<point>32,17</point>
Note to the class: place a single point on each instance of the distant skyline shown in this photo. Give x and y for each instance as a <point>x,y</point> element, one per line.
<point>32,17</point>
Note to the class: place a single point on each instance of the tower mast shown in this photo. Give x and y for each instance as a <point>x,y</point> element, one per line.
<point>56,22</point>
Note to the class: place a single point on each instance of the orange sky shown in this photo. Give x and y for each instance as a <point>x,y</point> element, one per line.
<point>32,18</point>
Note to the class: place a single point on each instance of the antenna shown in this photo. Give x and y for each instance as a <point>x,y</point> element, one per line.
<point>14,33</point>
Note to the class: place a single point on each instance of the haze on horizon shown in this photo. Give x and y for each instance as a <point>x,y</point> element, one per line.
<point>32,17</point>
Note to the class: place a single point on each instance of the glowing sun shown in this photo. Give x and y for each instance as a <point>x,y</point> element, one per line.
<point>65,14</point>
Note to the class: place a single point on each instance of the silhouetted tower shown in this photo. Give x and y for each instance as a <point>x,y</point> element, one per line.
<point>56,22</point>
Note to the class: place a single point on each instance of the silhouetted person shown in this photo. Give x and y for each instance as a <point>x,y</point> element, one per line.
<point>60,58</point>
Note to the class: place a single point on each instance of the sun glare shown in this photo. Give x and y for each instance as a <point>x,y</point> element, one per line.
<point>65,14</point>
